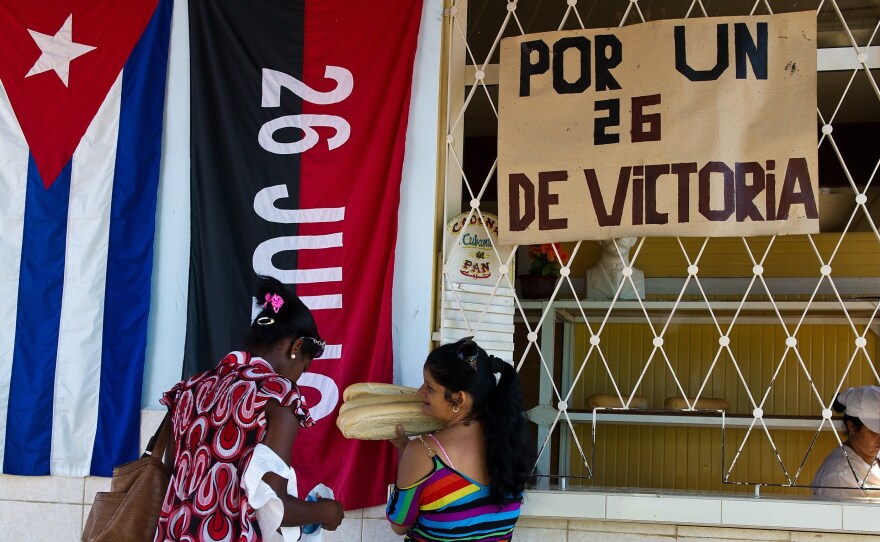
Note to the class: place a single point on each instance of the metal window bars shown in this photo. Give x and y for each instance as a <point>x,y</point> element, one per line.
<point>472,47</point>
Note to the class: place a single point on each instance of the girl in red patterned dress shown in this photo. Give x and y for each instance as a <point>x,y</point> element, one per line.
<point>234,428</point>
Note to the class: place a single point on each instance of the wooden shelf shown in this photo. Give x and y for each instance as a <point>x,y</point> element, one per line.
<point>753,312</point>
<point>544,415</point>
<point>854,305</point>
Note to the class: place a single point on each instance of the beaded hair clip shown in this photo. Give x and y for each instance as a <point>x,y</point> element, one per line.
<point>468,351</point>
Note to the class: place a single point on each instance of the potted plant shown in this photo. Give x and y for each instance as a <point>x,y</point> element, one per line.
<point>539,282</point>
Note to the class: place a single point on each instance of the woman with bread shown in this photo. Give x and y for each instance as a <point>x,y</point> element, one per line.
<point>465,481</point>
<point>234,428</point>
<point>852,471</point>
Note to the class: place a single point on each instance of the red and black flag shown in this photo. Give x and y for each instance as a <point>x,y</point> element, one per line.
<point>299,113</point>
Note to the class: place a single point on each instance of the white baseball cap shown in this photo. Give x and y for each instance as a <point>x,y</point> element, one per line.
<point>863,403</point>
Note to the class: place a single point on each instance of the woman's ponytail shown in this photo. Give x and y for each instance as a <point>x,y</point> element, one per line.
<point>508,455</point>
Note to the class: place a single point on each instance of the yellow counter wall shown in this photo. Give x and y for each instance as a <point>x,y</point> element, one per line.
<point>671,457</point>
<point>858,255</point>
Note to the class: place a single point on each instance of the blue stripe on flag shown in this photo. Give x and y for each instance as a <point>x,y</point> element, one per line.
<point>32,386</point>
<point>130,261</point>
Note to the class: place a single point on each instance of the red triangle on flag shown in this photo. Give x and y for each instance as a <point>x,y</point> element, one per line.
<point>53,115</point>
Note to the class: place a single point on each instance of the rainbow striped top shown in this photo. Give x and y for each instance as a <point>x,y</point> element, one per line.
<point>446,505</point>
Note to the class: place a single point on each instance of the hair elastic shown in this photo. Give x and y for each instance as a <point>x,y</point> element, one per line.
<point>265,321</point>
<point>497,364</point>
<point>275,300</point>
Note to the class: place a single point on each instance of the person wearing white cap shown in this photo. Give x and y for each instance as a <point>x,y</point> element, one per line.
<point>852,471</point>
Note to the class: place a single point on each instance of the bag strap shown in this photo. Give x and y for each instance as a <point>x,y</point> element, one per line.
<point>158,444</point>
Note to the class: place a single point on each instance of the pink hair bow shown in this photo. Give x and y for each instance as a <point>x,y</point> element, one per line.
<point>276,301</point>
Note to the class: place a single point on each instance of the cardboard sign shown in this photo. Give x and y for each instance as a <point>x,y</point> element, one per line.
<point>697,127</point>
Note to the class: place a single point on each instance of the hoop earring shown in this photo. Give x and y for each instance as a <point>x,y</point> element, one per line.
<point>456,408</point>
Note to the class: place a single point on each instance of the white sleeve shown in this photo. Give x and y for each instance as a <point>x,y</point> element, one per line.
<point>261,497</point>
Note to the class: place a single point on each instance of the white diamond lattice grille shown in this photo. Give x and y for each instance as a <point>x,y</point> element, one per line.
<point>776,326</point>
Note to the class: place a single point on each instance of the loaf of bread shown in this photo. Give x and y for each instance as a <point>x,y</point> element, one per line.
<point>379,399</point>
<point>374,388</point>
<point>372,410</point>
<point>604,400</point>
<point>378,421</point>
<point>705,403</point>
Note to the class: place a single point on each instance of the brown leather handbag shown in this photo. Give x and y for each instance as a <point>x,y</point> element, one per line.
<point>129,512</point>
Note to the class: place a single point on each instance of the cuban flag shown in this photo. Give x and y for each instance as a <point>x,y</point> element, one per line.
<point>82,86</point>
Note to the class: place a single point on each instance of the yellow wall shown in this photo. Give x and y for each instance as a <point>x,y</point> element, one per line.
<point>790,256</point>
<point>677,457</point>
<point>688,457</point>
<point>758,349</point>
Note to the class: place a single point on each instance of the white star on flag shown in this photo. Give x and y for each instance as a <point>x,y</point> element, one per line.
<point>58,51</point>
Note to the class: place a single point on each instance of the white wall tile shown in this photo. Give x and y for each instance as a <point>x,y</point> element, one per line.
<point>741,536</point>
<point>556,504</point>
<point>348,531</point>
<point>375,512</point>
<point>667,509</point>
<point>828,537</point>
<point>622,527</point>
<point>352,514</point>
<point>378,530</point>
<point>531,534</point>
<point>48,489</point>
<point>95,484</point>
<point>587,536</point>
<point>699,534</point>
<point>41,522</point>
<point>786,515</point>
<point>864,518</point>
<point>541,523</point>
<point>150,420</point>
